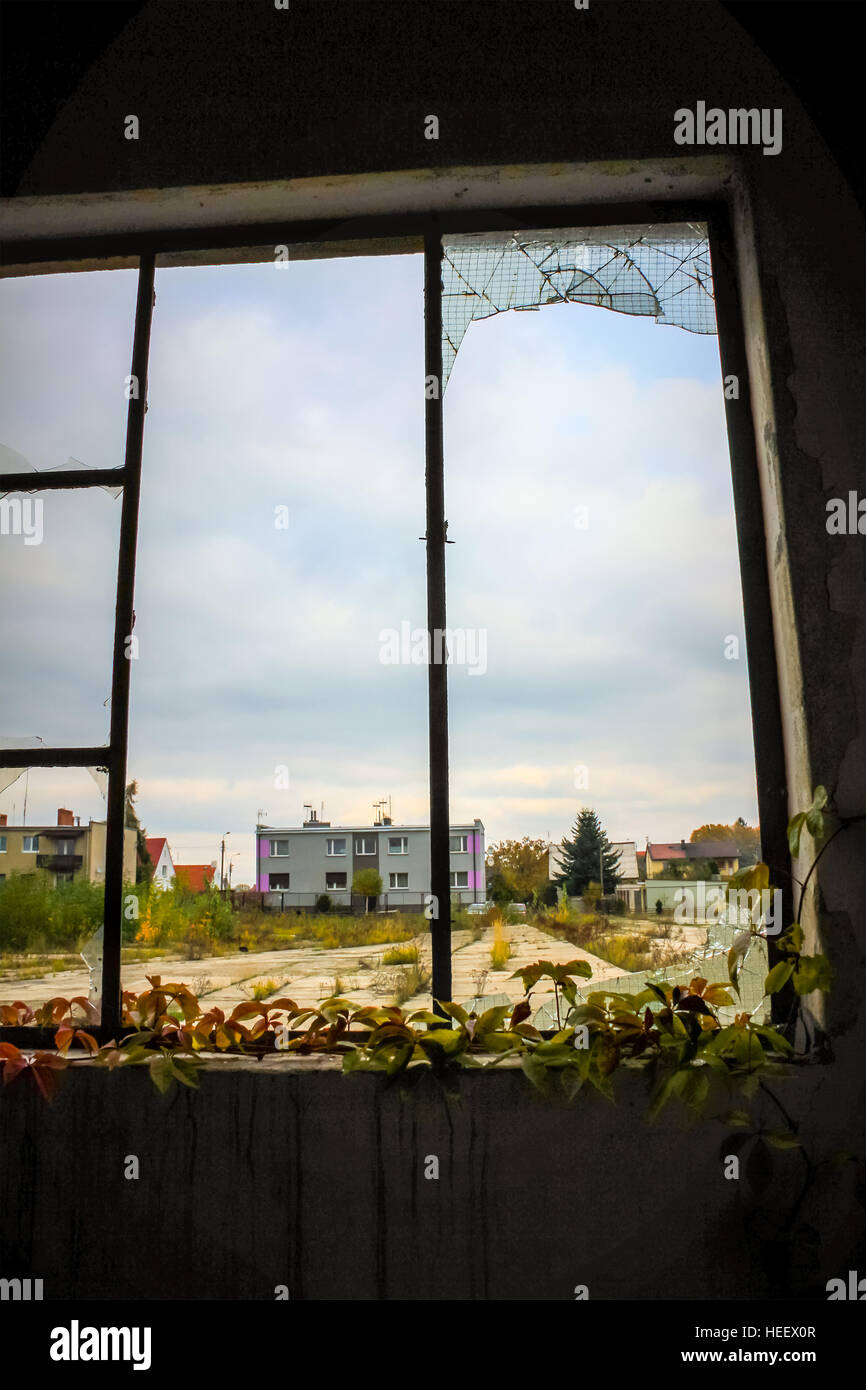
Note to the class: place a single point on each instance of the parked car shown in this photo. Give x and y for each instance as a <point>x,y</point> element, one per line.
<point>517,907</point>
<point>476,909</point>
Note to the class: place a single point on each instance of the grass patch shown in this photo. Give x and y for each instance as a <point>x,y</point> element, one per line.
<point>500,952</point>
<point>630,951</point>
<point>401,955</point>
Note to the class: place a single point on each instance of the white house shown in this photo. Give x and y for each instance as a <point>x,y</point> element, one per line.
<point>163,865</point>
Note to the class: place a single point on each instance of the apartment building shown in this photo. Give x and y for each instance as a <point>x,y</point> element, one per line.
<point>301,863</point>
<point>67,850</point>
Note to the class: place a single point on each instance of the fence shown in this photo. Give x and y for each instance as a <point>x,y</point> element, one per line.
<point>709,961</point>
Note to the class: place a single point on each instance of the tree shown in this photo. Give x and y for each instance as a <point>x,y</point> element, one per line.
<point>517,869</point>
<point>367,883</point>
<point>579,856</point>
<point>144,865</point>
<point>746,837</point>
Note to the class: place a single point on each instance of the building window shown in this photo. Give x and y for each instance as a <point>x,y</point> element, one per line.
<point>335,881</point>
<point>278,881</point>
<point>398,844</point>
<point>336,847</point>
<point>65,847</point>
<point>279,849</point>
<point>2,844</point>
<point>365,846</point>
<point>165,871</point>
<point>30,844</point>
<point>459,844</point>
<point>459,878</point>
<point>398,880</point>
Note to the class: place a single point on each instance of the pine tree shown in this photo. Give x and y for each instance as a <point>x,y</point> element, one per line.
<point>579,856</point>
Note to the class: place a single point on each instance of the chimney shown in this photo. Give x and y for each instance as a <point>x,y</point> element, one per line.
<point>65,817</point>
<point>3,820</point>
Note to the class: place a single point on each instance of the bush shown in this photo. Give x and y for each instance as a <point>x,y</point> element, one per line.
<point>401,955</point>
<point>323,903</point>
<point>36,916</point>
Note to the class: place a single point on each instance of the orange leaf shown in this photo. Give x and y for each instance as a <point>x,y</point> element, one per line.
<point>88,1039</point>
<point>63,1037</point>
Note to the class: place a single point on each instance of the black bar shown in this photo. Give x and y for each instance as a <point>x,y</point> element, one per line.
<point>754,574</point>
<point>111,245</point>
<point>55,757</point>
<point>123,624</point>
<point>62,478</point>
<point>437,671</point>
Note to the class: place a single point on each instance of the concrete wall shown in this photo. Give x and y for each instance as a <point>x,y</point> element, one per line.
<point>280,1173</point>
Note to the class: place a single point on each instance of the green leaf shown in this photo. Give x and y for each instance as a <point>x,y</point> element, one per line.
<point>795,830</point>
<point>184,1070</point>
<point>782,1139</point>
<point>841,1157</point>
<point>778,976</point>
<point>741,1118</point>
<point>791,941</point>
<point>815,824</point>
<point>492,1019</point>
<point>161,1073</point>
<point>572,967</point>
<point>776,1039</point>
<point>813,972</point>
<point>819,799</point>
<point>453,1011</point>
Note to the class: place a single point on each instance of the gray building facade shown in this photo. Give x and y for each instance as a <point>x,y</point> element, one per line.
<point>295,865</point>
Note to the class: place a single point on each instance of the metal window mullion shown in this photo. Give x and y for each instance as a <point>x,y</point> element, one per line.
<point>62,478</point>
<point>437,671</point>
<point>123,623</point>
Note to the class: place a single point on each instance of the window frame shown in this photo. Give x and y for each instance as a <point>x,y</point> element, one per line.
<point>278,853</point>
<point>401,839</point>
<point>365,840</point>
<point>336,840</point>
<point>421,231</point>
<point>464,847</point>
<point>397,873</point>
<point>337,887</point>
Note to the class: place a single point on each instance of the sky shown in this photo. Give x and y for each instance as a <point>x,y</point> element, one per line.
<point>594,568</point>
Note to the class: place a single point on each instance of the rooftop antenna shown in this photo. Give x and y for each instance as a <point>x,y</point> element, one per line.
<point>259,813</point>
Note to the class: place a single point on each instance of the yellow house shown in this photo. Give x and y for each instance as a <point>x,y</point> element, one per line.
<point>67,850</point>
<point>723,852</point>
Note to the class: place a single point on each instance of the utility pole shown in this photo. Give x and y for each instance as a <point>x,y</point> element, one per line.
<point>222,862</point>
<point>601,864</point>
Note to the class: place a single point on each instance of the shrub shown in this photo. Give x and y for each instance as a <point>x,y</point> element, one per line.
<point>323,903</point>
<point>36,916</point>
<point>401,955</point>
<point>501,949</point>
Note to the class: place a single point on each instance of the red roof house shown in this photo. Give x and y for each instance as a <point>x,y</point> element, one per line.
<point>195,877</point>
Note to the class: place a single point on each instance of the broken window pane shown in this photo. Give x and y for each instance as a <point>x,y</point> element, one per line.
<point>663,271</point>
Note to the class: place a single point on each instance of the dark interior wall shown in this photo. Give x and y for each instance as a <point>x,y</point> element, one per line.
<point>235,90</point>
